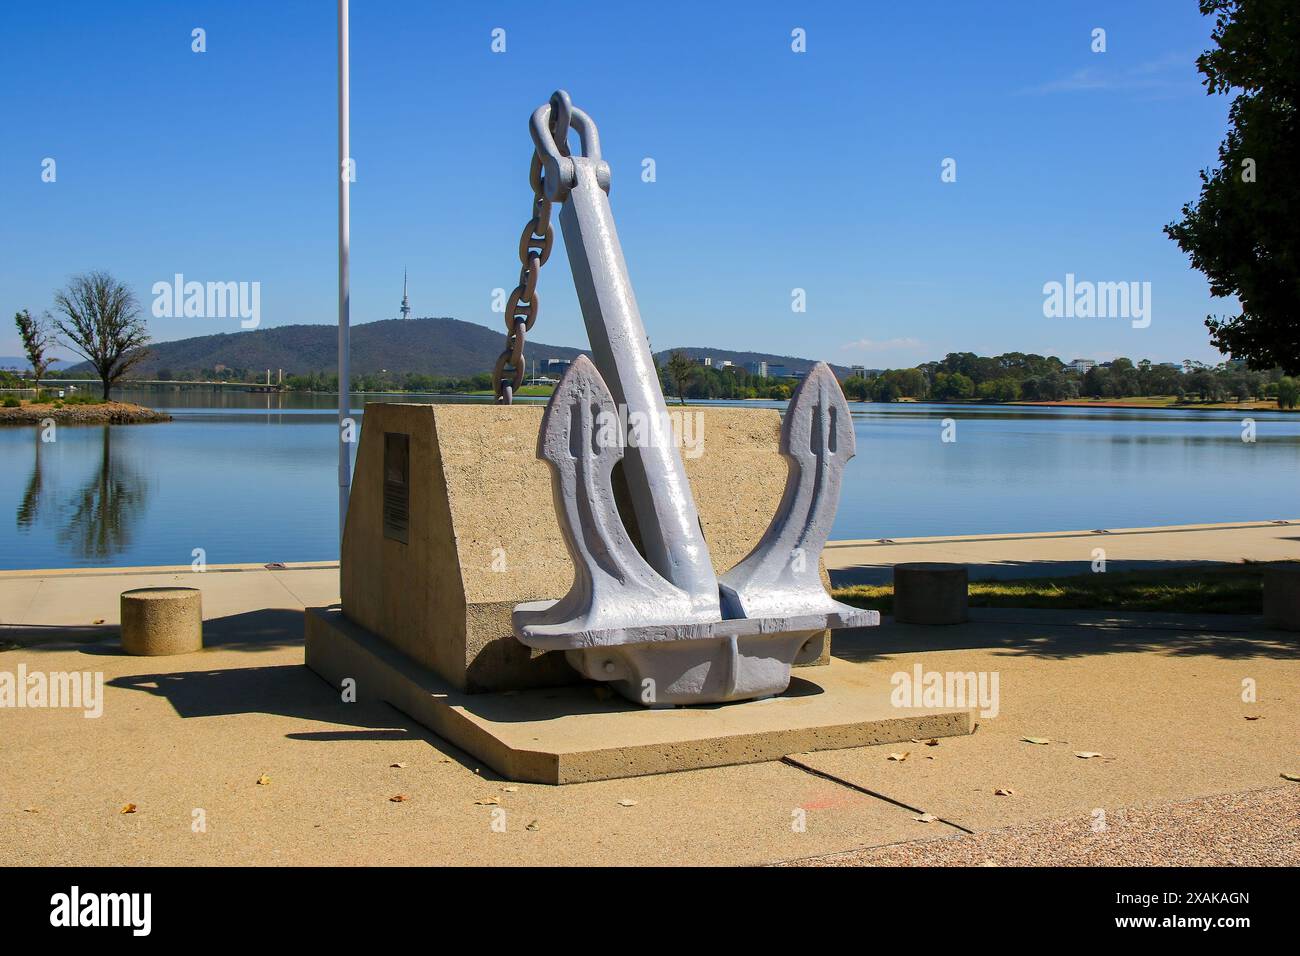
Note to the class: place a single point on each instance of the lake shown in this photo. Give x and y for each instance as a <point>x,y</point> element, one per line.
<point>252,477</point>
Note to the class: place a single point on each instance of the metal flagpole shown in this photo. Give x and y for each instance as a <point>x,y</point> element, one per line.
<point>345,461</point>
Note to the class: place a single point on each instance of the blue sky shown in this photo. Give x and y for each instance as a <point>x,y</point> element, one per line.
<point>775,170</point>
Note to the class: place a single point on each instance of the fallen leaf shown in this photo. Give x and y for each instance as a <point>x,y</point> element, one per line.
<point>98,620</point>
<point>534,826</point>
<point>925,818</point>
<point>1041,741</point>
<point>263,780</point>
<point>510,789</point>
<point>399,798</point>
<point>932,742</point>
<point>1255,717</point>
<point>1291,776</point>
<point>900,757</point>
<point>399,766</point>
<point>127,808</point>
<point>444,760</point>
<point>1004,792</point>
<point>31,809</point>
<point>1086,754</point>
<point>487,802</point>
<point>627,803</point>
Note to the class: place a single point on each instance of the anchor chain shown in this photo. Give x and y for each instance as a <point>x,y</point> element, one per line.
<point>534,249</point>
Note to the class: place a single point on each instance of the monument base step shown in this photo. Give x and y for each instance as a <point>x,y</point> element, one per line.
<point>572,735</point>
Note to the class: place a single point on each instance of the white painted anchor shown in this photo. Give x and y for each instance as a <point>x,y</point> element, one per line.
<point>661,627</point>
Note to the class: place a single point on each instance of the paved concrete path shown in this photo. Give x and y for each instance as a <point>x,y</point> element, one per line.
<point>1161,698</point>
<point>1068,552</point>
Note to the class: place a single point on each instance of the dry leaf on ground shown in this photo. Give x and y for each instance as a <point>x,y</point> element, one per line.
<point>926,818</point>
<point>127,808</point>
<point>627,803</point>
<point>1041,741</point>
<point>487,802</point>
<point>398,798</point>
<point>900,757</point>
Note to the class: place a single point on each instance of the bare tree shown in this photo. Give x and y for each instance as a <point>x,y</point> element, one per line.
<point>102,324</point>
<point>37,342</point>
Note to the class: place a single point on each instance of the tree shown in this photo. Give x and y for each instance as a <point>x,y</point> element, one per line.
<point>1288,392</point>
<point>1241,232</point>
<point>101,323</point>
<point>680,371</point>
<point>37,342</point>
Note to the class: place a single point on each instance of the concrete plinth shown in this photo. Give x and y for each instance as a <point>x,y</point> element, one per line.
<point>930,593</point>
<point>159,621</point>
<point>573,735</point>
<point>451,525</point>
<point>1282,597</point>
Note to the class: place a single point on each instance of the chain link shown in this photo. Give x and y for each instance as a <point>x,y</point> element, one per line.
<point>521,309</point>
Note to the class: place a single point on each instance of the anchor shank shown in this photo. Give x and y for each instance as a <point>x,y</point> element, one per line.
<point>661,496</point>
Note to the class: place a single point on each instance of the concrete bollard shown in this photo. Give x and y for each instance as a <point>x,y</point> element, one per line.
<point>157,621</point>
<point>1282,596</point>
<point>930,593</point>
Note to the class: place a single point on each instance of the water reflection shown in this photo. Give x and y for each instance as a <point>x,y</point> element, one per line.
<point>98,519</point>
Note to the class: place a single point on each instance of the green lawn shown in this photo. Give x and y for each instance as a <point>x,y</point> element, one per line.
<point>1230,589</point>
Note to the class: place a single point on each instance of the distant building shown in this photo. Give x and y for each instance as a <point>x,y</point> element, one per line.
<point>1082,365</point>
<point>555,366</point>
<point>1173,365</point>
<point>707,361</point>
<point>757,369</point>
<point>857,371</point>
<point>726,363</point>
<point>776,371</point>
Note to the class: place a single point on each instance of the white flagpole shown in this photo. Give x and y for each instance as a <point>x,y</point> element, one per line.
<point>345,461</point>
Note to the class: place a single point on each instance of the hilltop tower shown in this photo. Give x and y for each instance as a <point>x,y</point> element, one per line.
<point>406,300</point>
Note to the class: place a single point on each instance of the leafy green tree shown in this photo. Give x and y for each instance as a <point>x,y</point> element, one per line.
<point>37,341</point>
<point>1288,392</point>
<point>681,370</point>
<point>1242,232</point>
<point>101,322</point>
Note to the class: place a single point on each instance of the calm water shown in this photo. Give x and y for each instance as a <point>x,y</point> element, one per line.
<point>252,478</point>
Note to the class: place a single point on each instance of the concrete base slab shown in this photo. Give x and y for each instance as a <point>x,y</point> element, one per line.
<point>570,735</point>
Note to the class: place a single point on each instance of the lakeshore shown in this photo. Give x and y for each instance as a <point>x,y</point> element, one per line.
<point>82,413</point>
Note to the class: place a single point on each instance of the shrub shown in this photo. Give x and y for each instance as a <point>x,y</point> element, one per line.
<point>11,402</point>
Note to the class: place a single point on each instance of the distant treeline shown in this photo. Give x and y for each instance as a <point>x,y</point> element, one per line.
<point>387,382</point>
<point>1017,376</point>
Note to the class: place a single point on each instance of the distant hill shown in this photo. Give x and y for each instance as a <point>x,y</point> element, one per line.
<point>743,359</point>
<point>429,346</point>
<point>19,363</point>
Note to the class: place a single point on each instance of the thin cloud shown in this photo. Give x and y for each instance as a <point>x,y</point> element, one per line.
<point>882,345</point>
<point>1167,73</point>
